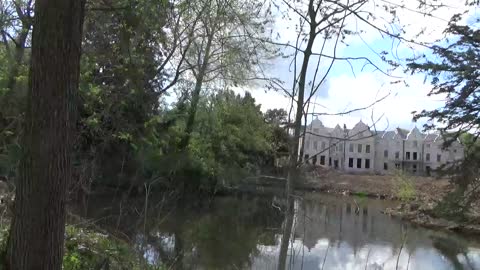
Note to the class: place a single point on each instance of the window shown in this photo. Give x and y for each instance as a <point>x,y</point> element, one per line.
<point>323,145</point>
<point>367,163</point>
<point>367,148</point>
<point>397,155</point>
<point>414,155</point>
<point>359,148</point>
<point>315,145</point>
<point>306,158</point>
<point>329,161</point>
<point>414,168</point>
<point>408,155</point>
<point>415,144</point>
<point>397,165</point>
<point>439,158</point>
<point>315,130</point>
<point>427,157</point>
<point>359,163</point>
<point>322,160</point>
<point>385,166</point>
<point>351,148</point>
<point>350,162</point>
<point>385,154</point>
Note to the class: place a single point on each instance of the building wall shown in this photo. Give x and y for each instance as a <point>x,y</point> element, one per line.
<point>361,151</point>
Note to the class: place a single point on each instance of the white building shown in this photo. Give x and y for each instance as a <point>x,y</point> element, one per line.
<point>360,150</point>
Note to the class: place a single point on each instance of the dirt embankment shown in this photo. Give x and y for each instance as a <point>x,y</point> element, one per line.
<point>428,192</point>
<point>381,186</point>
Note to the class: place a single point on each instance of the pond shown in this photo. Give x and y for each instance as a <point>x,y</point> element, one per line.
<point>244,232</point>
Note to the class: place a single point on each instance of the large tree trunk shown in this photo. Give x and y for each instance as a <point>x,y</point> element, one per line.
<point>38,226</point>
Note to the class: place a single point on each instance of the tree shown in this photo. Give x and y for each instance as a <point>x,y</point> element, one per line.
<point>120,90</point>
<point>321,20</point>
<point>225,48</point>
<point>15,28</point>
<point>455,73</point>
<point>230,141</point>
<point>38,225</point>
<point>277,119</point>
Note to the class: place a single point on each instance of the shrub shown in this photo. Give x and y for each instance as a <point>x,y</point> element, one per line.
<point>403,186</point>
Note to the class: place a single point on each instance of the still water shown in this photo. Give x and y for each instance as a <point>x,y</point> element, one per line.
<point>244,232</point>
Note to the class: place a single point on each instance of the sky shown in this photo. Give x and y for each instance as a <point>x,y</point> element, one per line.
<point>345,89</point>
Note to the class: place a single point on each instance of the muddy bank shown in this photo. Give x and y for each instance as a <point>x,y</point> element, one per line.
<point>422,214</point>
<point>420,210</point>
<point>377,186</point>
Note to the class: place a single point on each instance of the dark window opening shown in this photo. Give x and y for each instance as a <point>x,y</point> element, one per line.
<point>385,153</point>
<point>335,164</point>
<point>367,148</point>
<point>350,162</point>
<point>397,155</point>
<point>414,155</point>
<point>385,166</point>
<point>367,163</point>
<point>322,160</point>
<point>359,148</point>
<point>427,157</point>
<point>408,155</point>
<point>359,163</point>
<point>397,165</point>
<point>439,158</point>
<point>428,170</point>
<point>329,161</point>
<point>414,168</point>
<point>306,159</point>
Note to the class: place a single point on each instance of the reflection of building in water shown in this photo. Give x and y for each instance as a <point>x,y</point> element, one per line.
<point>361,150</point>
<point>351,222</point>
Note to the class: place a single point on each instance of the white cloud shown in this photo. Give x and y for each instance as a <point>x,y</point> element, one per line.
<point>344,91</point>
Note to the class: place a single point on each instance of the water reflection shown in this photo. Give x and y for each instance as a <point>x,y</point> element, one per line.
<point>329,232</point>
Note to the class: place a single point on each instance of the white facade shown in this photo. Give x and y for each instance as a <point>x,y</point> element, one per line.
<point>359,150</point>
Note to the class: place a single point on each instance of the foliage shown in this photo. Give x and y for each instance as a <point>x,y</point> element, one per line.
<point>277,119</point>
<point>455,74</point>
<point>457,204</point>
<point>403,186</point>
<point>230,140</point>
<point>120,86</point>
<point>86,249</point>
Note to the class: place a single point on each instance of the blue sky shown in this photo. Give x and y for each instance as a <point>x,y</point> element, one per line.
<point>344,90</point>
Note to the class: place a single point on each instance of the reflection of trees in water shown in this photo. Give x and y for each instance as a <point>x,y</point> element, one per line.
<point>226,233</point>
<point>224,237</point>
<point>451,248</point>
